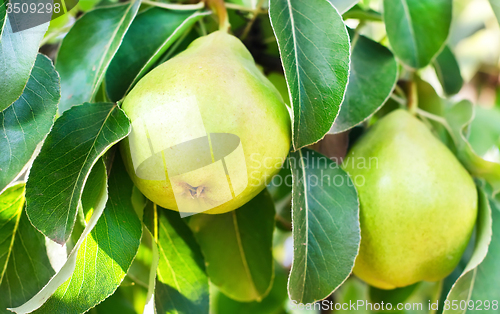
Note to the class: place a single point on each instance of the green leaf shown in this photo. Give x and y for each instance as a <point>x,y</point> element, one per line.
<point>314,48</point>
<point>3,15</point>
<point>99,263</point>
<point>95,196</point>
<point>181,282</point>
<point>18,52</point>
<point>462,289</point>
<point>237,248</point>
<point>273,303</point>
<point>459,118</point>
<point>154,30</point>
<point>87,50</point>
<point>107,252</point>
<point>26,122</point>
<point>356,12</point>
<point>488,272</point>
<point>350,292</point>
<point>326,233</point>
<point>24,265</point>
<point>343,5</point>
<point>485,129</point>
<point>11,207</point>
<point>77,140</point>
<point>417,29</point>
<point>448,71</point>
<point>495,5</point>
<point>373,75</point>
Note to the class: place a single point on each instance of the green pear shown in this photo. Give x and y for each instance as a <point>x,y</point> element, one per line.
<point>418,205</point>
<point>209,130</point>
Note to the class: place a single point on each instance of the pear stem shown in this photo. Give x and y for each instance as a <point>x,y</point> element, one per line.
<point>412,97</point>
<point>220,9</point>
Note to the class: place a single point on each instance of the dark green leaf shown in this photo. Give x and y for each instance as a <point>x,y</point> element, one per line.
<point>462,289</point>
<point>154,30</point>
<point>488,272</point>
<point>314,48</point>
<point>448,71</point>
<point>373,75</point>
<point>237,248</point>
<point>24,265</point>
<point>326,233</point>
<point>119,302</point>
<point>79,137</point>
<point>107,252</point>
<point>181,282</point>
<point>26,122</point>
<point>87,50</point>
<point>18,52</point>
<point>343,5</point>
<point>417,29</point>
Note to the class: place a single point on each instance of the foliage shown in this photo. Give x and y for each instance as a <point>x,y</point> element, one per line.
<point>77,236</point>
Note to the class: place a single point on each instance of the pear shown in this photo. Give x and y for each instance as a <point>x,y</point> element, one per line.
<point>209,130</point>
<point>418,205</point>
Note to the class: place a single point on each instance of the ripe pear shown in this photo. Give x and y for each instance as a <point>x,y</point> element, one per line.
<point>208,128</point>
<point>418,205</point>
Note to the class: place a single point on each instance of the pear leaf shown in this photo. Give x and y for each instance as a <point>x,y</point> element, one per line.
<point>314,49</point>
<point>24,124</point>
<point>462,288</point>
<point>409,24</point>
<point>326,232</point>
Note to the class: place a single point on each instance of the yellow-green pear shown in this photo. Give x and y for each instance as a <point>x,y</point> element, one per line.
<point>418,205</point>
<point>208,128</point>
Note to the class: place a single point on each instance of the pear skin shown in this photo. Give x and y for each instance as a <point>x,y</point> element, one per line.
<point>213,96</point>
<point>418,205</point>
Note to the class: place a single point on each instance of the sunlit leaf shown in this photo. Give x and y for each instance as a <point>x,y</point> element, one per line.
<point>79,137</point>
<point>87,50</point>
<point>26,122</point>
<point>314,48</point>
<point>24,265</point>
<point>237,248</point>
<point>99,264</point>
<point>181,279</point>
<point>326,232</point>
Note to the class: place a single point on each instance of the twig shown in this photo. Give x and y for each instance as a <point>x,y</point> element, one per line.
<point>256,13</point>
